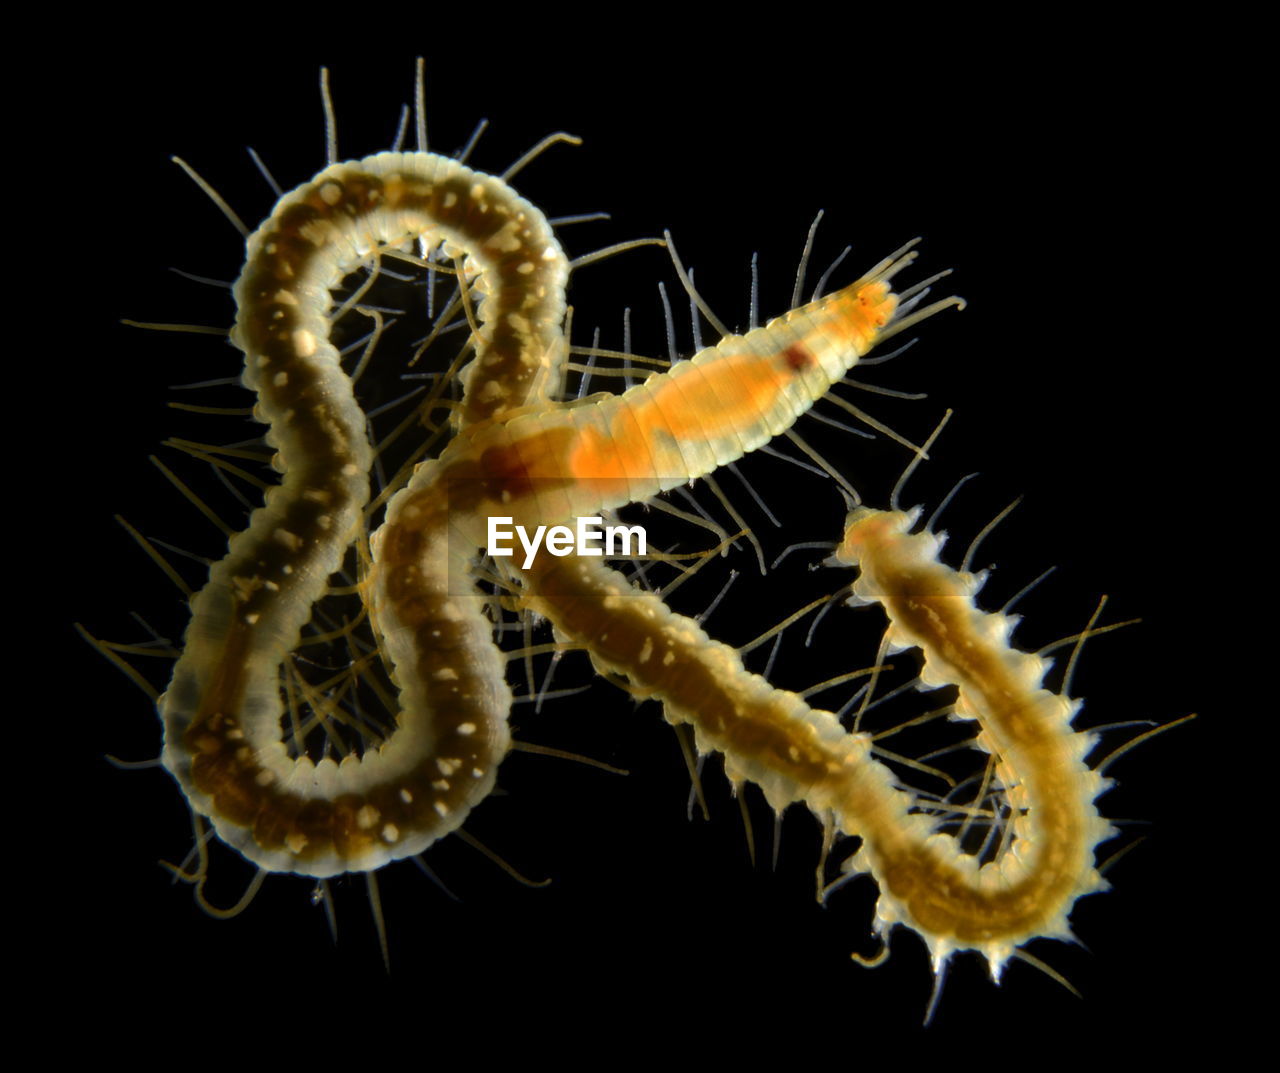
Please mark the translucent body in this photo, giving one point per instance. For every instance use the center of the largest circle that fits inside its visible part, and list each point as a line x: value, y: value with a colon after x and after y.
x: 519, y: 454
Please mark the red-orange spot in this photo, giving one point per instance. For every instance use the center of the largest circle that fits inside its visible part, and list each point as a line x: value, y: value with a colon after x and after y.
x: 797, y: 357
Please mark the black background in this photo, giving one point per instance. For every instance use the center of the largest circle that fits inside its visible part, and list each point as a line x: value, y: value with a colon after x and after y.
x: 1051, y: 173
